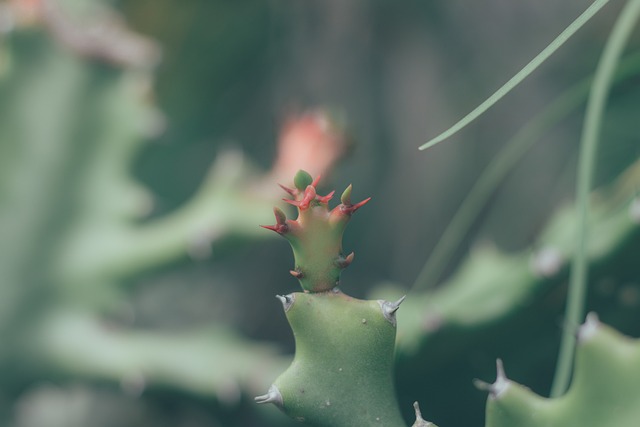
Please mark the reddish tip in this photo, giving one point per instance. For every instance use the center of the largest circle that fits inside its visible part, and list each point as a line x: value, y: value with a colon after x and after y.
x: 350, y: 209
x: 295, y: 273
x: 316, y: 181
x: 288, y: 190
x: 278, y: 228
x: 350, y: 257
x: 325, y: 199
x: 344, y: 262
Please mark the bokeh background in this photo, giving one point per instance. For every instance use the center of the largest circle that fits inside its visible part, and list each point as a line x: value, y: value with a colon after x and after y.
x: 230, y: 76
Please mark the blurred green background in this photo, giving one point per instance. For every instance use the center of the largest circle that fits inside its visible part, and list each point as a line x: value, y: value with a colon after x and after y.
x: 170, y: 332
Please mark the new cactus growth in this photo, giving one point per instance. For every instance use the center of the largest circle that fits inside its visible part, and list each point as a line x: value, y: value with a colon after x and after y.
x: 342, y: 372
x: 316, y: 235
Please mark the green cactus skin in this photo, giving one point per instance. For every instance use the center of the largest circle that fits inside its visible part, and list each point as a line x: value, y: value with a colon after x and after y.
x: 342, y: 372
x: 605, y: 389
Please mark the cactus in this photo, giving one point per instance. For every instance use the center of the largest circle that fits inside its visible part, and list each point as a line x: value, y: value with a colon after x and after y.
x: 604, y: 390
x: 74, y: 115
x: 342, y: 372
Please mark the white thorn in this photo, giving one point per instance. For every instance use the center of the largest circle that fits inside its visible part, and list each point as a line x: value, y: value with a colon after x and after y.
x: 416, y: 407
x: 420, y: 422
x: 389, y: 309
x: 499, y: 386
x: 286, y: 300
x: 272, y: 396
x: 589, y: 327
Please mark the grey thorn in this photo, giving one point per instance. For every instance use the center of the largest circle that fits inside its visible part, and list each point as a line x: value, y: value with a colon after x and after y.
x: 589, y: 327
x: 499, y: 386
x: 286, y: 300
x: 420, y: 422
x: 389, y: 309
x: 272, y: 396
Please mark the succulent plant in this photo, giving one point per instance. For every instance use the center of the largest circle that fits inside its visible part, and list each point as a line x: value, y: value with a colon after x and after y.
x: 342, y: 372
x: 604, y: 390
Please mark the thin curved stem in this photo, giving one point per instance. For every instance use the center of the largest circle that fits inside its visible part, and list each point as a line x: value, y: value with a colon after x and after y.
x: 586, y: 165
x: 521, y: 75
x: 500, y: 166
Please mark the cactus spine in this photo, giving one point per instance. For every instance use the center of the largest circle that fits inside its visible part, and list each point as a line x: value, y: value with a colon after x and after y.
x: 342, y: 372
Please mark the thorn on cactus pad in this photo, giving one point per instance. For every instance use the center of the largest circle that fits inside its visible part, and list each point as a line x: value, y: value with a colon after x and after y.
x: 280, y: 229
x: 296, y: 273
x: 287, y: 301
x: 272, y: 396
x: 350, y: 209
x: 499, y: 386
x: 389, y: 309
x: 325, y: 199
x: 589, y: 327
x: 281, y: 226
x: 344, y: 262
x: 420, y: 422
x: 291, y: 191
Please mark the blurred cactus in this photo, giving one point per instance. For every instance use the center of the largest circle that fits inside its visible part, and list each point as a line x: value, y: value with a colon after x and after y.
x: 491, y: 285
x: 76, y: 108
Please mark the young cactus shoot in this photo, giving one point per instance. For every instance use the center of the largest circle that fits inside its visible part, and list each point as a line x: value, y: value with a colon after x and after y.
x: 316, y: 235
x: 342, y: 372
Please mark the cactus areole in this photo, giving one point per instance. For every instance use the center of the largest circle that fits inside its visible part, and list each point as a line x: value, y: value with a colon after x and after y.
x: 342, y: 372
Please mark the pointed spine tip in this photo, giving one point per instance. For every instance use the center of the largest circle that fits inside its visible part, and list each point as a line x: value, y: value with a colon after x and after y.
x: 420, y: 422
x: 589, y: 328
x: 344, y: 262
x: 272, y: 396
x: 327, y: 198
x: 350, y: 209
x: 500, y: 373
x: 280, y: 229
x: 499, y: 386
x: 291, y: 191
x: 416, y: 408
x: 296, y: 273
x: 286, y: 300
x: 281, y: 226
x: 389, y: 309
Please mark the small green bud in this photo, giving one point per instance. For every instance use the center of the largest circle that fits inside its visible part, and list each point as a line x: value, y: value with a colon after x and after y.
x: 346, y: 196
x: 302, y: 180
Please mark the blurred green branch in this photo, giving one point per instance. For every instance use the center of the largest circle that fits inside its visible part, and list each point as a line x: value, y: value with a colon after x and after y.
x: 490, y: 286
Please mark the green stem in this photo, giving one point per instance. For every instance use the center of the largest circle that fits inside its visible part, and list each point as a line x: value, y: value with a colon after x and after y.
x: 521, y: 75
x: 500, y: 166
x: 586, y: 165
